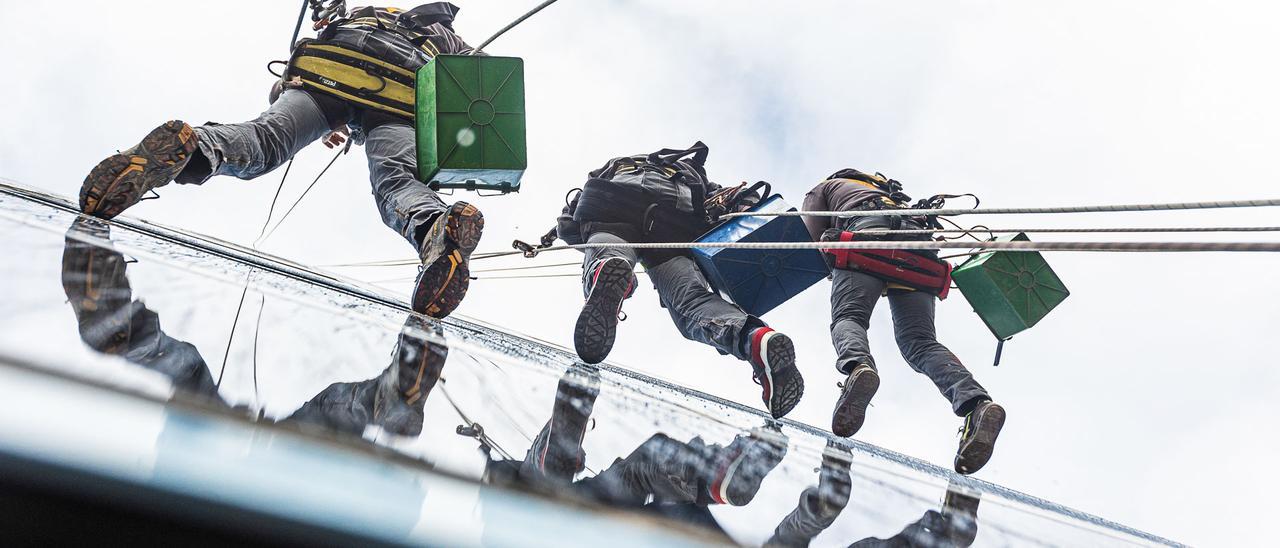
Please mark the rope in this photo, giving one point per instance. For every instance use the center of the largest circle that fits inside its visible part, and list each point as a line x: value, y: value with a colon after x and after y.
x: 513, y: 24
x: 1121, y: 230
x: 574, y: 263
x: 302, y: 15
x: 304, y: 192
x: 1012, y: 210
x: 271, y: 210
x: 1153, y: 247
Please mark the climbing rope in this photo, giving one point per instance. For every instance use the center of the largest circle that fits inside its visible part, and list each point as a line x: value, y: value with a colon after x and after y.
x: 1117, y: 230
x: 513, y: 24
x: 1152, y: 247
x: 1012, y: 210
x: 304, y: 193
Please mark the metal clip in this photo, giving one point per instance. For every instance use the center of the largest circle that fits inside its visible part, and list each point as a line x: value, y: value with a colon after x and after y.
x: 530, y: 251
x: 474, y: 431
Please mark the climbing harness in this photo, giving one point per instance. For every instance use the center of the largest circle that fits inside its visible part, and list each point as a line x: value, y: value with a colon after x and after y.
x: 905, y: 267
x: 336, y: 69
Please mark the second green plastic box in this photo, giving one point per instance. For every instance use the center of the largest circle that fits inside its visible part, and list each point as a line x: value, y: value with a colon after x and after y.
x: 1010, y: 290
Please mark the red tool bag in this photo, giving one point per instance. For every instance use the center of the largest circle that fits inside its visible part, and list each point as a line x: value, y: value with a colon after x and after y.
x: 895, y: 265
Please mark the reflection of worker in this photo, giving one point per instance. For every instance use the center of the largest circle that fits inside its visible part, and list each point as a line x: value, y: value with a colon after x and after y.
x: 912, y: 281
x: 112, y: 322
x: 955, y: 525
x: 663, y: 197
x: 663, y: 476
x: 399, y: 43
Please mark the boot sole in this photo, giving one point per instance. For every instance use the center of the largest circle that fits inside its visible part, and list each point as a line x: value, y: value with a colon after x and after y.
x: 851, y: 409
x: 974, y: 455
x: 597, y: 325
x: 788, y: 385
x: 443, y: 284
x: 119, y: 181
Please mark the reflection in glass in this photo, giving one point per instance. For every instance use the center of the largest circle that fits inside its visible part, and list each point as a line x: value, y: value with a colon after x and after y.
x: 113, y: 322
x: 662, y: 476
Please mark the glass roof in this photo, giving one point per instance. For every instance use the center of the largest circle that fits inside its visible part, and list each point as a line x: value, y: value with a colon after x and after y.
x: 205, y: 329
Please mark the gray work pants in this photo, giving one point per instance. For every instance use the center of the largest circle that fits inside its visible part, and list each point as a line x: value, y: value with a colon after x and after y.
x: 254, y: 148
x: 698, y: 313
x: 853, y: 297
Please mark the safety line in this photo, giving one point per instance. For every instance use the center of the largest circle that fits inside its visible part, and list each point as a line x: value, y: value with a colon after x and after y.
x: 302, y: 15
x: 1119, y: 230
x: 1072, y: 230
x: 285, y: 217
x: 508, y: 269
x: 513, y: 24
x: 1012, y: 210
x: 1154, y: 247
x: 528, y: 276
x: 272, y: 210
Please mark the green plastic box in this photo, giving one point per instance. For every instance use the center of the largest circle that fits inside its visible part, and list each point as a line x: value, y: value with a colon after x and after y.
x: 1010, y: 290
x: 470, y: 122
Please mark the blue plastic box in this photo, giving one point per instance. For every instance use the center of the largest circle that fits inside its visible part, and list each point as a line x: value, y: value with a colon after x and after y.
x: 758, y: 280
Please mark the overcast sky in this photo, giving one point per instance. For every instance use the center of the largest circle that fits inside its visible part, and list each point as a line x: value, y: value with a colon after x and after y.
x: 1148, y: 397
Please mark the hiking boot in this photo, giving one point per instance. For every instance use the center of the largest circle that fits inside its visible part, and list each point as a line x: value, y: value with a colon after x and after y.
x: 773, y: 360
x: 978, y: 436
x: 612, y: 282
x: 740, y: 468
x: 558, y: 448
x: 403, y: 388
x: 855, y: 395
x: 445, y: 276
x: 960, y: 510
x: 121, y: 180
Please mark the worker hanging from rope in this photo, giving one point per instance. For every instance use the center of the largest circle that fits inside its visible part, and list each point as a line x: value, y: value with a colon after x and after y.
x: 359, y: 74
x: 911, y: 280
x: 665, y: 197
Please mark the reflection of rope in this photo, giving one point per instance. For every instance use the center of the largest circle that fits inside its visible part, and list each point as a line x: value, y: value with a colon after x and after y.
x: 476, y: 430
x: 232, y: 336
x: 1011, y: 210
x: 257, y: 401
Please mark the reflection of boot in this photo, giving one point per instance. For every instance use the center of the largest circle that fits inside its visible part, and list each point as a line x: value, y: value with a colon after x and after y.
x: 93, y: 276
x: 403, y: 388
x: 446, y: 251
x: 739, y: 469
x: 557, y: 451
x: 961, y: 512
x: 611, y: 281
x: 111, y: 322
x: 820, y: 505
x: 834, y: 482
x: 120, y: 180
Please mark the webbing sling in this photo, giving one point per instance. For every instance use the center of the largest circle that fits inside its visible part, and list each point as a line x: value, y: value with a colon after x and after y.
x: 895, y: 265
x: 347, y: 74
